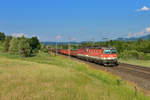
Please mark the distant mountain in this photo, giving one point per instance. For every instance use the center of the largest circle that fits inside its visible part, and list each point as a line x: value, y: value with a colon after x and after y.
x: 54, y: 43
x: 146, y: 37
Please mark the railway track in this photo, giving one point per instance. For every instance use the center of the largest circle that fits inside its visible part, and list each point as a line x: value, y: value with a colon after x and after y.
x: 139, y: 71
x: 141, y: 68
x: 137, y: 74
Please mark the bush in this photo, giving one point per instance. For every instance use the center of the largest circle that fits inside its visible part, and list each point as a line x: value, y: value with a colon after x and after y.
x: 2, y: 36
x: 146, y: 56
x: 20, y: 46
x: 7, y: 43
x: 44, y: 48
x: 133, y: 54
x: 13, y: 49
x: 35, y: 51
x: 129, y: 54
x: 34, y: 43
x: 24, y: 47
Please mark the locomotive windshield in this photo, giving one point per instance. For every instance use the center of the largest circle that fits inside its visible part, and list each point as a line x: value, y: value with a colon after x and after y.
x: 112, y: 51
x: 107, y: 51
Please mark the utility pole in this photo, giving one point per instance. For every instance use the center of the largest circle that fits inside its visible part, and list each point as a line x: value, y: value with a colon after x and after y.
x: 57, y: 40
x: 106, y: 40
x: 51, y: 51
x: 56, y: 48
x: 93, y: 41
x: 69, y: 46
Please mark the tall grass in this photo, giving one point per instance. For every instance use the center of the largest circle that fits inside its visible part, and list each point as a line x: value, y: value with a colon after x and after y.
x: 45, y: 77
x: 145, y: 63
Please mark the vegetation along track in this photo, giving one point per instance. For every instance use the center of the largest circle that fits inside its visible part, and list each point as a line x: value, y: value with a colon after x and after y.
x: 137, y: 74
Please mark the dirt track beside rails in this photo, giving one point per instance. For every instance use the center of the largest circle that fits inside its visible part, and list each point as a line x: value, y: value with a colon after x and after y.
x: 137, y: 74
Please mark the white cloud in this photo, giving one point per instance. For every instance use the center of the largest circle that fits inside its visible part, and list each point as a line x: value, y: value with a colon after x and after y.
x: 148, y: 30
x: 19, y: 35
x: 145, y: 8
x: 58, y: 37
x: 74, y: 39
x: 138, y: 34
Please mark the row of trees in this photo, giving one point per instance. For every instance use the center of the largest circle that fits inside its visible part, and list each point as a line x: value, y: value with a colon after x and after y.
x: 22, y: 46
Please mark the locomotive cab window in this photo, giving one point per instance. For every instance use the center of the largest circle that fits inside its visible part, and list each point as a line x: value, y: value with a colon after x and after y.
x: 114, y: 51
x: 107, y: 51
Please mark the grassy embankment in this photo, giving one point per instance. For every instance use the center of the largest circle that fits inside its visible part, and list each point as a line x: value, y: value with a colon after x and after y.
x: 145, y: 63
x: 55, y: 78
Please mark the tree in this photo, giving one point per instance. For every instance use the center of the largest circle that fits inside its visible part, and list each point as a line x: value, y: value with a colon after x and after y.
x: 44, y: 48
x: 111, y: 42
x: 2, y: 36
x: 7, y: 43
x: 13, y: 49
x: 34, y: 43
x: 24, y: 47
x: 140, y: 40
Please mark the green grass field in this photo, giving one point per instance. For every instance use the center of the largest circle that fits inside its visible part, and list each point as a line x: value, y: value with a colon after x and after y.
x: 56, y: 78
x: 145, y: 63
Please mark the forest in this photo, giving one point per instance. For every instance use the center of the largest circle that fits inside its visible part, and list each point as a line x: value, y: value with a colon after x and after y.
x: 22, y: 46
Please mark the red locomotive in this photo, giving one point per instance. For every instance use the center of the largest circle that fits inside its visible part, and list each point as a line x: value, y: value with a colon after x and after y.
x: 101, y: 55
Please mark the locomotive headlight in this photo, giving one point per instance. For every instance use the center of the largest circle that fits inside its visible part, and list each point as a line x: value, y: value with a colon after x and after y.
x: 109, y: 58
x: 105, y: 58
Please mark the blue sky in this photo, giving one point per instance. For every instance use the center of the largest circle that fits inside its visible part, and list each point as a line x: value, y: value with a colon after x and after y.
x: 78, y: 19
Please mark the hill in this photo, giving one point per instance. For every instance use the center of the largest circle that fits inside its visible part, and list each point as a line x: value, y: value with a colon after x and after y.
x: 134, y: 38
x: 120, y: 39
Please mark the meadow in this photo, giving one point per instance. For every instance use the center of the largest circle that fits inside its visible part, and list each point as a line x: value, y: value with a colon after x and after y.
x: 46, y: 77
x: 145, y: 63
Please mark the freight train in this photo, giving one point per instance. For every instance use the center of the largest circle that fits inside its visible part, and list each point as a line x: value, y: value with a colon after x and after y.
x: 106, y: 56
